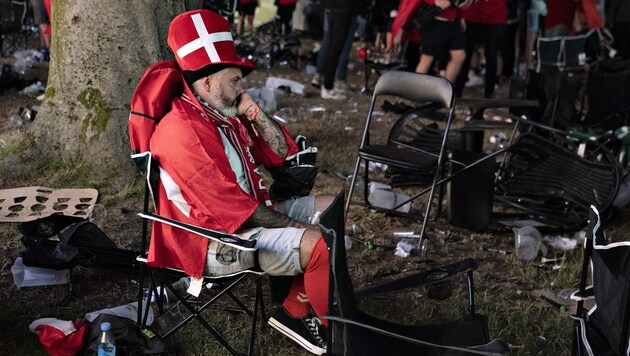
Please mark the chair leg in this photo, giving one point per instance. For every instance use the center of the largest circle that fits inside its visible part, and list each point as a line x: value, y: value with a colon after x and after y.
x: 352, y: 183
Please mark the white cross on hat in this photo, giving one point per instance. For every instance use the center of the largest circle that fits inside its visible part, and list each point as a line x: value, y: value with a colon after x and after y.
x: 205, y: 40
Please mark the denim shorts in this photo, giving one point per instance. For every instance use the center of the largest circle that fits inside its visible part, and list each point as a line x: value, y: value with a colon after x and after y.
x: 278, y: 248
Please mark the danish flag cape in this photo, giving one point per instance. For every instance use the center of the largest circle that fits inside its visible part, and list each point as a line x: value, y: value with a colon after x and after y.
x: 197, y: 184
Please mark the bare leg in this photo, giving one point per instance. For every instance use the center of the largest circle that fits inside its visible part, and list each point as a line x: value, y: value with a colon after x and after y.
x: 239, y: 25
x: 454, y: 64
x: 424, y: 64
x: 250, y: 24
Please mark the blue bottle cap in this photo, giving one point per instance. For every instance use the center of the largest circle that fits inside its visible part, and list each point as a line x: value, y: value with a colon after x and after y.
x: 106, y: 326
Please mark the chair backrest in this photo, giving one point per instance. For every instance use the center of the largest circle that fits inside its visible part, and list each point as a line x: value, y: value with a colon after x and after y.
x: 559, y: 183
x: 415, y: 87
x: 561, y: 53
x: 419, y: 88
x: 341, y: 289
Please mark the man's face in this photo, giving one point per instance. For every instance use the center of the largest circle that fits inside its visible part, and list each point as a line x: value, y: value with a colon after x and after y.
x: 225, y: 91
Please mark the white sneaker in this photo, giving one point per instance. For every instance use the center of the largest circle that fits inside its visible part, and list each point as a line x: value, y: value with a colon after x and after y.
x: 341, y: 87
x: 315, y: 82
x: 473, y: 79
x: 332, y: 94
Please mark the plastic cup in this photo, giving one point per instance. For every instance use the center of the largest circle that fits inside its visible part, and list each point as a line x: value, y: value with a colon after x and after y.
x: 527, y: 242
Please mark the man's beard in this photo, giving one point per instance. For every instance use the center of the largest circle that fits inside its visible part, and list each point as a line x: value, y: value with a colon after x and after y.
x: 224, y: 105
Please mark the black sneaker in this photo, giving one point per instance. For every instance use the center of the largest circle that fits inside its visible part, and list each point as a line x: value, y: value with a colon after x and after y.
x: 305, y: 331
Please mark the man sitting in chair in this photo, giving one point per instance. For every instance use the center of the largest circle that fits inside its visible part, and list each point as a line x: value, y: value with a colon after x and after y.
x: 209, y: 146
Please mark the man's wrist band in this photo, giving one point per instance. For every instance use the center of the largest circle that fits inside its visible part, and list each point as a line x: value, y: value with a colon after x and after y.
x: 254, y: 113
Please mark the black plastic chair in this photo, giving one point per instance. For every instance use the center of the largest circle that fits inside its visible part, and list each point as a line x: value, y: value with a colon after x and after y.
x: 605, y: 328
x: 553, y: 177
x: 419, y: 88
x: 354, y: 332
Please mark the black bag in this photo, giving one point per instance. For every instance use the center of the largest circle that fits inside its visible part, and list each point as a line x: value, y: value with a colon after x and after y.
x: 130, y: 339
x: 61, y: 242
x: 297, y: 177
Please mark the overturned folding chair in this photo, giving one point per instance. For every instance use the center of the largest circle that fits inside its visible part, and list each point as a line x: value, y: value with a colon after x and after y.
x: 354, y: 332
x: 162, y: 80
x: 605, y: 328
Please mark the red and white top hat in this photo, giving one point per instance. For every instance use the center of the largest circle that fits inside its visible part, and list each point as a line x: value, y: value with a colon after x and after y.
x: 201, y: 39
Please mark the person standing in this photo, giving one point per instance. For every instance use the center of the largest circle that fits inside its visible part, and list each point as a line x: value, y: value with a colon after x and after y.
x: 443, y: 37
x: 341, y: 76
x: 41, y: 19
x: 485, y: 25
x: 285, y: 16
x: 618, y: 21
x: 209, y: 146
x: 337, y: 14
x: 246, y: 10
x: 560, y: 17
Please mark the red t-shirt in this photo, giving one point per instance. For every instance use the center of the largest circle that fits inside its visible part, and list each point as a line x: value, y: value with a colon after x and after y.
x: 488, y: 12
x: 560, y: 12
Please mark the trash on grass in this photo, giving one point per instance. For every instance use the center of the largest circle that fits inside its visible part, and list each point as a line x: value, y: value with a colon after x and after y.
x: 403, y: 248
x: 280, y: 83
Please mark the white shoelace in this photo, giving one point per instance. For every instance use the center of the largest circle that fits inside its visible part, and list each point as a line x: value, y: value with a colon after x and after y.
x: 313, y: 326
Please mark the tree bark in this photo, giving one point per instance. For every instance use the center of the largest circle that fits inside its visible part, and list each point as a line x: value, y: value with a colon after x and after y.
x: 99, y: 51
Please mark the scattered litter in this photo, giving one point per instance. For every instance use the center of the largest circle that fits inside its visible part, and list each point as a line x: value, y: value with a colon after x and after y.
x: 502, y: 252
x: 281, y: 83
x: 560, y: 243
x: 284, y: 115
x: 403, y: 249
x: 547, y: 260
x: 35, y: 88
x: 378, y: 167
x: 381, y: 196
x: 310, y: 69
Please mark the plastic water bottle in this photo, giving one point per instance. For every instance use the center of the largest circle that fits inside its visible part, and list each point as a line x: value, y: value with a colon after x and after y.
x: 107, y: 342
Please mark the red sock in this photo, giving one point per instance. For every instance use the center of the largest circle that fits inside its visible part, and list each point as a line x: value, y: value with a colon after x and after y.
x: 311, y: 288
x: 316, y: 279
x: 296, y: 303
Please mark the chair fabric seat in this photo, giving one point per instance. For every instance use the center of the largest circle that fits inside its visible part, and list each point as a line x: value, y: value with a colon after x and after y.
x: 398, y: 157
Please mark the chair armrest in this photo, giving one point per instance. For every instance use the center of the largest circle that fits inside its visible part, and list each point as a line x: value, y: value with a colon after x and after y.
x: 495, y: 347
x: 589, y: 293
x: 222, y: 237
x: 432, y: 276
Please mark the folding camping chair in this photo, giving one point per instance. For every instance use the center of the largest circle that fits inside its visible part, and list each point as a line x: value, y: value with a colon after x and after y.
x: 418, y: 88
x: 558, y: 77
x: 12, y: 26
x: 354, y: 332
x: 604, y: 329
x: 162, y: 79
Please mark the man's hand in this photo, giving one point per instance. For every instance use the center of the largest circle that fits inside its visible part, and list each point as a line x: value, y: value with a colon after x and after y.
x: 263, y: 125
x: 246, y: 105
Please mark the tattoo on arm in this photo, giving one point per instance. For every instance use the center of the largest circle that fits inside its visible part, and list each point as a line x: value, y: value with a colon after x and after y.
x: 265, y: 217
x: 271, y: 133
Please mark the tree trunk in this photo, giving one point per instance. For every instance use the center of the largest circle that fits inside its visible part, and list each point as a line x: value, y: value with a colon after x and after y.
x: 99, y: 51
